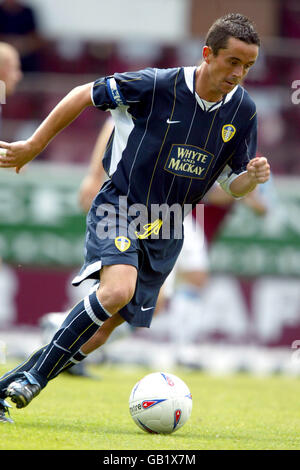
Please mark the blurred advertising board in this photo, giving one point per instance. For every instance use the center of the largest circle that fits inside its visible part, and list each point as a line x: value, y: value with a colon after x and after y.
x: 41, y: 223
x: 251, y: 245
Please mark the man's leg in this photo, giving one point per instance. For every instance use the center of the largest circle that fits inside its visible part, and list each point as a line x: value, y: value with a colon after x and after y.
x: 25, y: 366
x: 116, y: 290
x: 11, y: 375
x: 96, y: 341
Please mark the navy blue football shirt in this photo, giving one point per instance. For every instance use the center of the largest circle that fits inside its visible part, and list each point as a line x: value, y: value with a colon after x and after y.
x: 167, y: 146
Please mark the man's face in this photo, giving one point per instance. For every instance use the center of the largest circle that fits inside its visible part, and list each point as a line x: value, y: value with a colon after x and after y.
x: 11, y: 72
x: 231, y: 65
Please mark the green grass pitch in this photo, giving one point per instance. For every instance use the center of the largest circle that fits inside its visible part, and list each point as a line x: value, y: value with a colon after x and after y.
x: 237, y: 412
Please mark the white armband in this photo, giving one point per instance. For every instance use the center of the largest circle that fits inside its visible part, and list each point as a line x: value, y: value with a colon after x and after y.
x: 225, y: 181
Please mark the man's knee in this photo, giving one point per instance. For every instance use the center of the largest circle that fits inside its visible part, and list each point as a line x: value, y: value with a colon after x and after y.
x: 117, y: 287
x: 114, y: 297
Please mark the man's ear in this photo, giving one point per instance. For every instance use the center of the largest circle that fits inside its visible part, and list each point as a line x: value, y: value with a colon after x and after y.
x: 206, y: 53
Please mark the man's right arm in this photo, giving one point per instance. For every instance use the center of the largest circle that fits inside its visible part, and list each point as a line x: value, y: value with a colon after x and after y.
x: 22, y: 152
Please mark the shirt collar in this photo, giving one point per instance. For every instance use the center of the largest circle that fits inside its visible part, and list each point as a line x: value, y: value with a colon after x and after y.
x: 189, y: 75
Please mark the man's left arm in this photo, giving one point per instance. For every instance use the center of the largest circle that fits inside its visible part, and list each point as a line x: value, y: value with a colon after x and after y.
x: 258, y: 172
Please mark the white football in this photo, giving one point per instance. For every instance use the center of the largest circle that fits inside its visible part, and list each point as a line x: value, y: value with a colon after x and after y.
x: 160, y: 403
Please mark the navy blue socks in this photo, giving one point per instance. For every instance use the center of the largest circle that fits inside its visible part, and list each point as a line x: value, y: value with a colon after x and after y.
x: 25, y: 366
x: 79, y: 326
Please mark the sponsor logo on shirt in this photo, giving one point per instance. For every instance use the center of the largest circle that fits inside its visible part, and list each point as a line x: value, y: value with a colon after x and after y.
x: 188, y: 161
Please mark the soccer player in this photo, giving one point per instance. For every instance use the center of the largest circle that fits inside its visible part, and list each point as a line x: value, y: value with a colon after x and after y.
x: 176, y: 132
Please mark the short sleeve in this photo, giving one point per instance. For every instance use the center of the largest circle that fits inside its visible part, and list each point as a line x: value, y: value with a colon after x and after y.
x: 131, y: 89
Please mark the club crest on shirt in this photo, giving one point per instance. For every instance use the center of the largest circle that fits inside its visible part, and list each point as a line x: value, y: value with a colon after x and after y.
x: 122, y: 243
x: 228, y: 131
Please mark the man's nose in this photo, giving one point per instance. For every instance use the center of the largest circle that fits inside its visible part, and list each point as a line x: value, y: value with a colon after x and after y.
x: 238, y: 72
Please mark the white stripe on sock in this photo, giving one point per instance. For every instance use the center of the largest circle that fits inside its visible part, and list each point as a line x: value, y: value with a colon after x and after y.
x: 89, y: 311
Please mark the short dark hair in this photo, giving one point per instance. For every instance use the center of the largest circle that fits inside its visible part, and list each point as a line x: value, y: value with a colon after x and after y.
x: 231, y: 25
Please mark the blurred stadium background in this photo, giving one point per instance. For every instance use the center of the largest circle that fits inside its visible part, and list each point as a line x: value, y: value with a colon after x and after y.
x: 249, y: 317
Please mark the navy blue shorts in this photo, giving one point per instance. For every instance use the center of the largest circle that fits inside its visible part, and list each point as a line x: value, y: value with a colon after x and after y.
x: 154, y: 258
